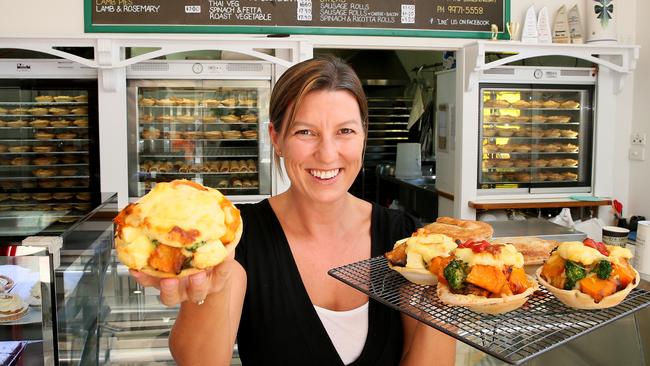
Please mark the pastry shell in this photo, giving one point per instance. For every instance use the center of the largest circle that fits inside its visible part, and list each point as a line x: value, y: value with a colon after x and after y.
x: 479, y: 304
x: 580, y: 300
x: 418, y: 276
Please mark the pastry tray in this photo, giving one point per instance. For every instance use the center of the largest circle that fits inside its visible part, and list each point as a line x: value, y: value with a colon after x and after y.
x: 542, y: 324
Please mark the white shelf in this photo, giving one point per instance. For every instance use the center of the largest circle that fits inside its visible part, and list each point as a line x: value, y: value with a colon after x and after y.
x: 619, y: 58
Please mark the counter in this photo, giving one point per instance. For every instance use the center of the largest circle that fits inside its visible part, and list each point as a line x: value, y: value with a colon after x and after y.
x: 125, y: 324
x: 417, y: 196
x: 61, y: 291
x: 535, y: 227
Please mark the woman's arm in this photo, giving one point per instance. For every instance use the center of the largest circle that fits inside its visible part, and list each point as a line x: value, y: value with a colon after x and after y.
x: 424, y: 345
x: 203, y: 334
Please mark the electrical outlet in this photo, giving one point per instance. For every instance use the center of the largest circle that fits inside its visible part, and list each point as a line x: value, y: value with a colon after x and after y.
x: 637, y: 153
x: 638, y: 138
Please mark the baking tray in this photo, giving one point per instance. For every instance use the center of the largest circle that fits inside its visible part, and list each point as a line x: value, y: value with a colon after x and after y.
x: 542, y: 324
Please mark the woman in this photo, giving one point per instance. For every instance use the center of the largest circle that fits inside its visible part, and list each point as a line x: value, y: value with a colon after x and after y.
x: 276, y: 296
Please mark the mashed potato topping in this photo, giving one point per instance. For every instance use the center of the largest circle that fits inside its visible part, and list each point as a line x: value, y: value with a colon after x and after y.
x: 422, y: 247
x: 507, y: 256
x: 576, y: 251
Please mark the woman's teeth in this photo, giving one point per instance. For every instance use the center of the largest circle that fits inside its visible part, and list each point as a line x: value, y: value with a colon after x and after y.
x: 324, y: 174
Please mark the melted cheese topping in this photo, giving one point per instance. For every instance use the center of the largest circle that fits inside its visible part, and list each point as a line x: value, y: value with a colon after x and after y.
x: 179, y: 214
x: 11, y: 303
x: 578, y: 252
x: 184, y: 206
x: 616, y: 252
x: 209, y: 255
x: 508, y: 256
x: 423, y: 247
x: 135, y: 253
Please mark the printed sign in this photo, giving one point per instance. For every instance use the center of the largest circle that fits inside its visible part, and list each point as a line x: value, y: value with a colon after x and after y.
x: 430, y: 18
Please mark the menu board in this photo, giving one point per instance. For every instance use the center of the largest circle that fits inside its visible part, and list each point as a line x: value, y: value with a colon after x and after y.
x: 435, y: 18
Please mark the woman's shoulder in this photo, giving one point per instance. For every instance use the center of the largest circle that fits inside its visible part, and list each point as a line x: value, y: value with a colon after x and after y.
x: 253, y: 209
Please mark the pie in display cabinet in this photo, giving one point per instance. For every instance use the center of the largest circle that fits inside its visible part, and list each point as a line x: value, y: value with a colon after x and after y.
x: 536, y: 139
x: 207, y: 131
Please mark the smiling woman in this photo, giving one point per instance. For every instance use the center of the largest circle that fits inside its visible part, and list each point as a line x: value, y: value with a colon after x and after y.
x: 275, y: 296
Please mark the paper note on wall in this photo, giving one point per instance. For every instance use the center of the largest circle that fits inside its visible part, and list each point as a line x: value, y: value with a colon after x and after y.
x: 442, y: 114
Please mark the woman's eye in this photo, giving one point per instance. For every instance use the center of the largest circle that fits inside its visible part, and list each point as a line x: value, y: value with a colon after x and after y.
x: 347, y: 131
x: 303, y: 132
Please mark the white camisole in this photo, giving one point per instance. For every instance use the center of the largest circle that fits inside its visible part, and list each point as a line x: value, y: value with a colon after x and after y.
x: 347, y: 330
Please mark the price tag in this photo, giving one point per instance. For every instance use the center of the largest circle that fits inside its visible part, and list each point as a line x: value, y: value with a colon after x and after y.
x: 408, y: 13
x: 304, y: 10
x: 192, y: 9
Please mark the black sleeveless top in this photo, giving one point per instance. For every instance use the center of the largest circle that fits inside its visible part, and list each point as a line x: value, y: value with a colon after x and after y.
x: 279, y: 325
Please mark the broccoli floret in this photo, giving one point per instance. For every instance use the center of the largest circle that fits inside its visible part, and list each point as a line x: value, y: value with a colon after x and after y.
x: 574, y: 273
x: 455, y: 274
x: 192, y: 248
x: 603, y: 269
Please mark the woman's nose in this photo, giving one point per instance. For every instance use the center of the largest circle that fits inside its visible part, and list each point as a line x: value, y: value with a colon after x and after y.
x: 327, y: 149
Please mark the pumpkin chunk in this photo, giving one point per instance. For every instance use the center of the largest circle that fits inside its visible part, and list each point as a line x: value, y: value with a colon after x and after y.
x: 597, y: 288
x: 487, y: 277
x: 624, y: 272
x: 518, y: 281
x: 437, y: 267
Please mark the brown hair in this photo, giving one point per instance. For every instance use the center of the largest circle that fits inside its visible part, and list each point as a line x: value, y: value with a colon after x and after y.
x: 321, y: 73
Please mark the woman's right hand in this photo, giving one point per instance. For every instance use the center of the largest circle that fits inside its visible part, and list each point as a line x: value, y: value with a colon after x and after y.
x: 195, y: 288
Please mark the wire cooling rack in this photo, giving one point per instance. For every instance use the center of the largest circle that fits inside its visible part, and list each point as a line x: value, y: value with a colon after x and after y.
x: 542, y: 324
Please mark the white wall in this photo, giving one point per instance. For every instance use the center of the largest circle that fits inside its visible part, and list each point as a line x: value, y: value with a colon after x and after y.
x: 639, y: 175
x: 42, y: 18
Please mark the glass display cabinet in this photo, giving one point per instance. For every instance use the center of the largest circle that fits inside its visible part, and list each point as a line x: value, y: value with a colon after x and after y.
x: 51, y: 302
x: 49, y: 168
x: 211, y: 130
x: 535, y: 138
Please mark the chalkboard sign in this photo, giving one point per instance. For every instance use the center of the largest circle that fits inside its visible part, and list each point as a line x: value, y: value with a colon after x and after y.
x: 420, y: 18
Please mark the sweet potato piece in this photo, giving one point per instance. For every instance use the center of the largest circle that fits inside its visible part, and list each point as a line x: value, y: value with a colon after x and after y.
x: 167, y: 259
x: 518, y: 281
x: 437, y: 267
x: 597, y: 288
x: 553, y: 271
x: 487, y: 277
x: 624, y: 272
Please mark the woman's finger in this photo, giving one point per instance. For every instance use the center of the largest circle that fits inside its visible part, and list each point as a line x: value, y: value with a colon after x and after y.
x: 197, y: 288
x: 144, y: 279
x: 170, y: 293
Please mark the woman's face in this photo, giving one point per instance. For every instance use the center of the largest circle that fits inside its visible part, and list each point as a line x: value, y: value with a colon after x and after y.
x: 323, y: 148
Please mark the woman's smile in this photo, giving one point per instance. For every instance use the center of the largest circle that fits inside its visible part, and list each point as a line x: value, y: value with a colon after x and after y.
x: 325, y: 175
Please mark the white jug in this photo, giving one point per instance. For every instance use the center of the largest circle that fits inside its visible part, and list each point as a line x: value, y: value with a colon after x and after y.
x: 601, y: 21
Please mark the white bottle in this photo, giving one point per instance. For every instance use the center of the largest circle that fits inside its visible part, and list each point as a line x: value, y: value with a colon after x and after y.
x: 543, y: 27
x: 529, y: 33
x: 601, y: 25
x: 642, y: 250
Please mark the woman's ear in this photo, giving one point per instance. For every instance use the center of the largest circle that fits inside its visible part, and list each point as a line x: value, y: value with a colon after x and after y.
x: 275, y: 138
